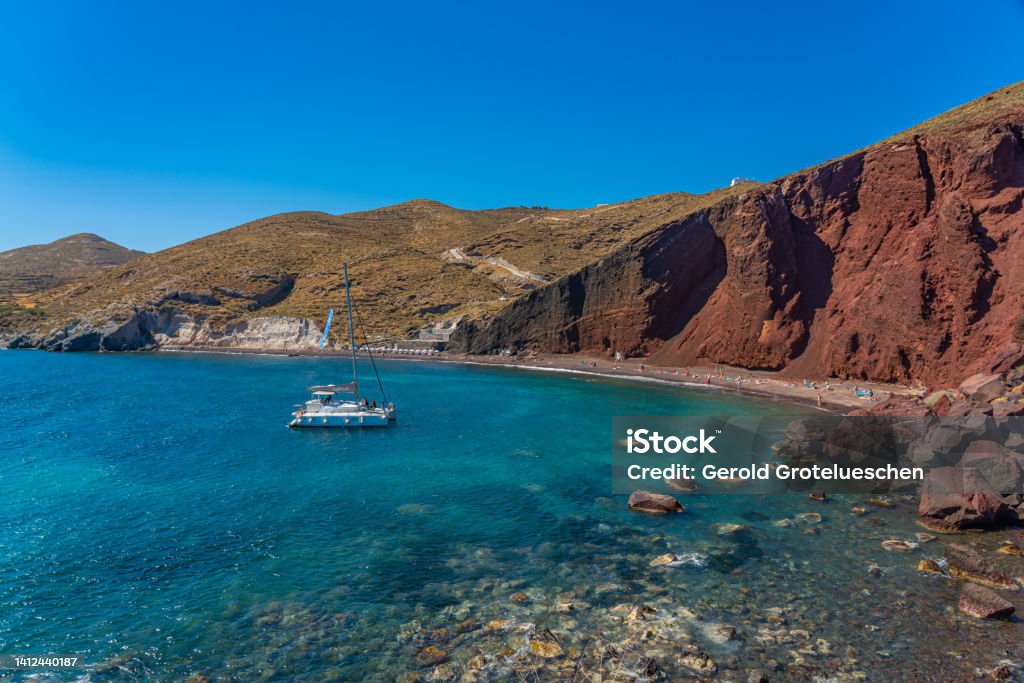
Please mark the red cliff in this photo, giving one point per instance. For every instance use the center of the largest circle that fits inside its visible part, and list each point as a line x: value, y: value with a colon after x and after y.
x: 901, y: 262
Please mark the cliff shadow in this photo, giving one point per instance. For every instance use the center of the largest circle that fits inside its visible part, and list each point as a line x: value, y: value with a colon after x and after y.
x: 815, y: 266
x: 688, y: 262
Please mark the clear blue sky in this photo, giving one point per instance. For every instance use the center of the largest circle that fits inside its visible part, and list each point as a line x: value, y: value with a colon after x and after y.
x: 154, y: 123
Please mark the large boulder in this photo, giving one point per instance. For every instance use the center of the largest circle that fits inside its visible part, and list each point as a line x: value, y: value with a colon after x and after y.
x: 982, y: 603
x: 645, y: 501
x: 966, y: 563
x: 982, y: 387
x: 966, y: 408
x: 954, y: 498
x: 1001, y: 467
x: 1006, y: 359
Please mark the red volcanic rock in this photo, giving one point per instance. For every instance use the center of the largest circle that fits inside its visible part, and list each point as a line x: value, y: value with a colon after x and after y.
x: 1006, y: 359
x: 982, y: 603
x: 1002, y: 468
x: 645, y: 501
x: 942, y: 406
x: 1007, y: 409
x: 954, y: 498
x: 897, y: 406
x: 966, y: 408
x: 982, y: 387
x: 897, y: 263
x: 965, y: 563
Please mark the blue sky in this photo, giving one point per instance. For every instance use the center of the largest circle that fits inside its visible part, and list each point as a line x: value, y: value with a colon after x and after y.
x: 156, y: 123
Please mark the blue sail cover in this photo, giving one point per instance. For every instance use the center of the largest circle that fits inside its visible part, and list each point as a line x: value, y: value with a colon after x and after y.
x: 327, y: 328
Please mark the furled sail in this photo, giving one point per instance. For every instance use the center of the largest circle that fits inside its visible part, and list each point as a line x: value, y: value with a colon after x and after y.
x: 327, y: 328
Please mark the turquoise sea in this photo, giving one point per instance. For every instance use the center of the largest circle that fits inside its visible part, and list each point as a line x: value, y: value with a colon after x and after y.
x: 160, y: 522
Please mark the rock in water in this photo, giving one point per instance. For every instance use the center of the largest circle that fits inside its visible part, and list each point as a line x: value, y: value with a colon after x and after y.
x: 546, y: 648
x: 899, y: 545
x: 965, y: 563
x: 982, y: 603
x: 431, y: 655
x: 682, y: 485
x: 662, y: 560
x: 645, y: 501
x: 929, y: 567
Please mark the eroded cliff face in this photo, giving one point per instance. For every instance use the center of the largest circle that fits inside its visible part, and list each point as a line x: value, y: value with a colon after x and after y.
x: 140, y: 329
x: 904, y: 262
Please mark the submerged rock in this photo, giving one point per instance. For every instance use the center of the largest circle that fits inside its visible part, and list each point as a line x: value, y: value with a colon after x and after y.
x: 1011, y: 549
x: 929, y: 567
x: 645, y: 501
x: 442, y: 673
x: 546, y: 648
x: 899, y: 545
x: 431, y: 654
x: 983, y: 603
x: 700, y: 662
x: 965, y: 563
x: 682, y: 485
x: 661, y: 560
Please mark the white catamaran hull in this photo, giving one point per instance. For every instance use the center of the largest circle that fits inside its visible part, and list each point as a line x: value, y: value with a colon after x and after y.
x: 340, y: 420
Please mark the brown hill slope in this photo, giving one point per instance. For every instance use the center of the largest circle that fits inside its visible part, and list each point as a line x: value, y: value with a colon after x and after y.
x: 411, y: 265
x: 904, y: 261
x: 32, y: 269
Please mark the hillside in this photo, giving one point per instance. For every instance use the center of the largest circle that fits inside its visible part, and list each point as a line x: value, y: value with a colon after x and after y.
x: 902, y: 261
x: 32, y: 269
x: 410, y: 265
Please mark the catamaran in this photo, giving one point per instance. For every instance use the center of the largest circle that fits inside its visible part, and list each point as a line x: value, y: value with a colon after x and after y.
x: 329, y: 406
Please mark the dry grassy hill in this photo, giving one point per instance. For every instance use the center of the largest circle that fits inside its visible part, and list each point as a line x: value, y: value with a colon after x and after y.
x: 32, y: 269
x: 410, y: 265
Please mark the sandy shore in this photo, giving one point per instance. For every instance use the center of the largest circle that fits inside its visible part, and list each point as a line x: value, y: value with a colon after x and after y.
x: 832, y: 394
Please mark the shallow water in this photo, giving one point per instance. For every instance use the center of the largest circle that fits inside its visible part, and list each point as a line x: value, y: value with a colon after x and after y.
x: 160, y: 521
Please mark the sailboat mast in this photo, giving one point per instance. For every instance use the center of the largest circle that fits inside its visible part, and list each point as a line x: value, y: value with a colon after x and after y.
x: 351, y: 331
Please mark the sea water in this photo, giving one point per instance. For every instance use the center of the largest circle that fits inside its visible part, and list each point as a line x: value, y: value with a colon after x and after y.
x: 160, y: 521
